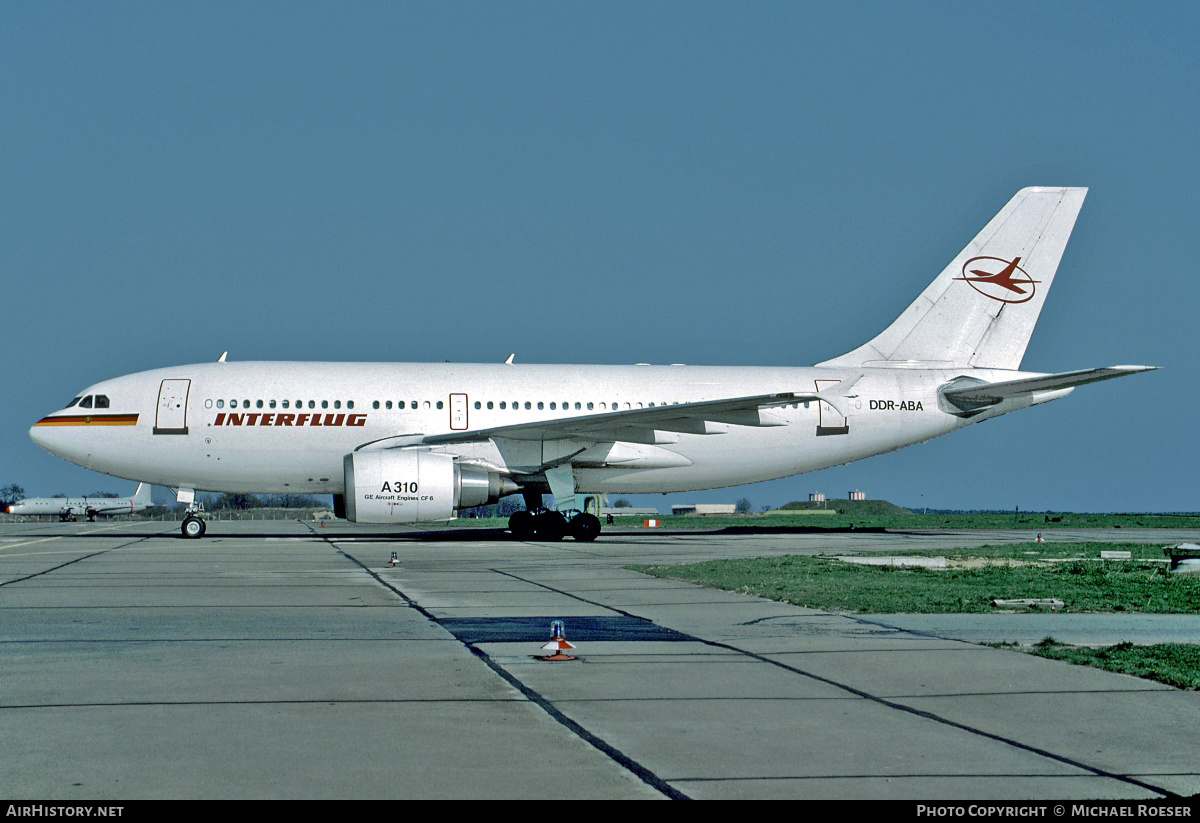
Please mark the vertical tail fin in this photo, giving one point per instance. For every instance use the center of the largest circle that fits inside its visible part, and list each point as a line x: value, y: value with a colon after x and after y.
x: 981, y: 310
x: 142, y: 495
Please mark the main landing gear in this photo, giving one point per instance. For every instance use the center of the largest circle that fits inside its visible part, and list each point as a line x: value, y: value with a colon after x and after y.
x: 548, y: 524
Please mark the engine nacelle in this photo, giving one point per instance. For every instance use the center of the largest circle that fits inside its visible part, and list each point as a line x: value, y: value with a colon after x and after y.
x: 410, y: 485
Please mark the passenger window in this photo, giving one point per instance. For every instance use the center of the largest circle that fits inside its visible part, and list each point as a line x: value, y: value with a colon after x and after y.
x: 86, y: 403
x: 258, y: 404
x: 388, y: 404
x: 220, y: 404
x: 540, y: 405
x: 285, y: 404
x: 337, y: 404
x: 375, y: 405
x: 489, y: 404
x: 349, y: 404
x: 245, y: 404
x: 324, y: 404
x: 528, y: 405
x: 439, y: 404
x: 478, y: 405
x: 503, y: 404
x: 272, y: 404
x: 312, y: 404
x: 412, y: 404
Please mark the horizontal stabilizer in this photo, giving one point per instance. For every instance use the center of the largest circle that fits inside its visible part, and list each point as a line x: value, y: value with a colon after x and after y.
x: 971, y: 395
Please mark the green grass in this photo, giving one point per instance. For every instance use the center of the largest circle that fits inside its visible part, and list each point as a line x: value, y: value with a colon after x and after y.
x: 1176, y: 664
x: 1080, y: 579
x: 1087, y: 585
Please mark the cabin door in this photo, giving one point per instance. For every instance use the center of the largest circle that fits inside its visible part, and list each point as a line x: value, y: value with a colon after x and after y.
x: 458, y: 412
x: 830, y: 420
x: 171, y: 417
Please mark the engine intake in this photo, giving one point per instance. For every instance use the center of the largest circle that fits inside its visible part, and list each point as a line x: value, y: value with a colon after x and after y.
x: 411, y: 485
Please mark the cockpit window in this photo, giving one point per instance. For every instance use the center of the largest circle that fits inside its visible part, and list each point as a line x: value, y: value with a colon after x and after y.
x: 102, y: 401
x: 73, y: 402
x: 86, y: 403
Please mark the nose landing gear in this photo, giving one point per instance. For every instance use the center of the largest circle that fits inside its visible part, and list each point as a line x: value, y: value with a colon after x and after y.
x: 192, y: 527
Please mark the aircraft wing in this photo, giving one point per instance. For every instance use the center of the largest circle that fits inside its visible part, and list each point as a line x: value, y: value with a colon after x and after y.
x: 639, y: 425
x: 975, y: 394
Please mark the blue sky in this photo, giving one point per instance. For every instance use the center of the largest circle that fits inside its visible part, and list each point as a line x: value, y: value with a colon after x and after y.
x: 708, y: 183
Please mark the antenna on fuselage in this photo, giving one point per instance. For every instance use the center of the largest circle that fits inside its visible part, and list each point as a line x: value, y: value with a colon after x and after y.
x: 508, y: 362
x: 221, y: 359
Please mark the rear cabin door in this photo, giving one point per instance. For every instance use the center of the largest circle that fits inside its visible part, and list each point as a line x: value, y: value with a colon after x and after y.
x: 830, y: 420
x: 171, y: 417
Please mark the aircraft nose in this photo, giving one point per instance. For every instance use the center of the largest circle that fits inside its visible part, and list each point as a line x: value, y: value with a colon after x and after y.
x: 50, y: 437
x: 37, y: 435
x: 40, y: 433
x: 65, y: 437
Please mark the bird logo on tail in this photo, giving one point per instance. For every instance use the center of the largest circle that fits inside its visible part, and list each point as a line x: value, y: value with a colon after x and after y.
x: 1011, y: 284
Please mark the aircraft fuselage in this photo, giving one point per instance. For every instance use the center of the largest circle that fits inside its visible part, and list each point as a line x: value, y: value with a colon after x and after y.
x: 263, y: 427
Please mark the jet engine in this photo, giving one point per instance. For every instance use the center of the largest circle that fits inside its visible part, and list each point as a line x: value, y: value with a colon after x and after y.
x: 410, y: 485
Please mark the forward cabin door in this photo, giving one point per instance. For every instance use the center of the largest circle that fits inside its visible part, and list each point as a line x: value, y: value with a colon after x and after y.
x: 171, y: 417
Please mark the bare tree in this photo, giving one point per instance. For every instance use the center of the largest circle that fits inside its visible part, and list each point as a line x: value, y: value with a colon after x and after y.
x: 11, y: 494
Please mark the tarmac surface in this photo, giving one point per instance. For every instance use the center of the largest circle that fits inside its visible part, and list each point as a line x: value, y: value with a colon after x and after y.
x: 286, y: 659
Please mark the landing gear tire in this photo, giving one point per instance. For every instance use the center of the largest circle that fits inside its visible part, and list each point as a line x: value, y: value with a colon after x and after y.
x: 550, y: 525
x: 585, y: 527
x: 192, y: 528
x: 521, y: 525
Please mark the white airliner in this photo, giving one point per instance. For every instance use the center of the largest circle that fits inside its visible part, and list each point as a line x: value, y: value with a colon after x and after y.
x: 70, y: 508
x: 401, y: 443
